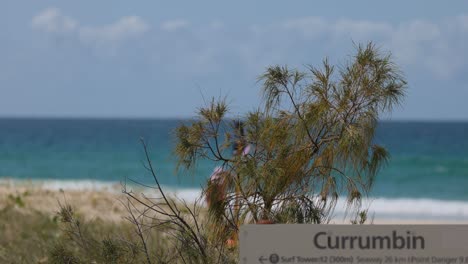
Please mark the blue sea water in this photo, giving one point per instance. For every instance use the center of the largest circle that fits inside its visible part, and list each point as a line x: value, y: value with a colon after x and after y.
x: 429, y: 160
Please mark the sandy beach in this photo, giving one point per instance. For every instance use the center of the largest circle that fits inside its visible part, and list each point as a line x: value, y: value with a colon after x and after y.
x: 29, y: 220
x: 104, y: 202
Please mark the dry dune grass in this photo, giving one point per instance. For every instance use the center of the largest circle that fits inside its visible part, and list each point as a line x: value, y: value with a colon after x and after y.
x: 30, y: 227
x: 104, y: 205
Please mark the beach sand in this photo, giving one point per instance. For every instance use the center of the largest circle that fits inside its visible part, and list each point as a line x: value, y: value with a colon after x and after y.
x: 30, y: 227
x: 105, y: 203
x: 29, y: 222
x: 91, y: 204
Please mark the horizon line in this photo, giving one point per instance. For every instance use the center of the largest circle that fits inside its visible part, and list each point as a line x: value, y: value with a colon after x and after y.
x: 51, y: 117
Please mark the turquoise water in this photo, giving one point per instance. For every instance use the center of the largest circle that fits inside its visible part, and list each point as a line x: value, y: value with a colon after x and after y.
x: 429, y: 159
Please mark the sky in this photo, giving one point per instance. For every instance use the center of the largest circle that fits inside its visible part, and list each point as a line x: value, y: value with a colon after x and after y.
x: 163, y: 59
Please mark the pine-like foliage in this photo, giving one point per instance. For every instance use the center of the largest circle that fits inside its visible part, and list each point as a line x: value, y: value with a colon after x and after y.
x: 311, y: 141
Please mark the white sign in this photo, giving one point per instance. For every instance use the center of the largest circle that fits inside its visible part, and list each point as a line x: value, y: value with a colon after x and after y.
x: 354, y: 244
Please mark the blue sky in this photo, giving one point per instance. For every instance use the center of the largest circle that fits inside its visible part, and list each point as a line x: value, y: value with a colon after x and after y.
x: 159, y: 59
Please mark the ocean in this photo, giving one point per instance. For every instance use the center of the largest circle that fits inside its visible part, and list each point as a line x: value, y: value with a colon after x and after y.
x: 427, y: 175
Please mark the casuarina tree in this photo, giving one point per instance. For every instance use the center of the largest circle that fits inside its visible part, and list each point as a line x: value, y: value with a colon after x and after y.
x: 310, y: 142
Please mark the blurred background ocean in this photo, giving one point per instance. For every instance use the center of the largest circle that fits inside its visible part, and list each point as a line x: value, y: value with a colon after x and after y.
x: 427, y: 175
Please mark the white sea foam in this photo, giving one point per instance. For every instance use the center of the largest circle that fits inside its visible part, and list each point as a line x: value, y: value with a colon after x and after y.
x: 56, y: 185
x: 186, y: 194
x: 404, y: 209
x: 411, y: 208
x: 395, y: 208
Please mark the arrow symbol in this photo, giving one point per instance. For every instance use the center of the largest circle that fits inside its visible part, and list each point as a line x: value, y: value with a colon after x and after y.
x: 261, y: 259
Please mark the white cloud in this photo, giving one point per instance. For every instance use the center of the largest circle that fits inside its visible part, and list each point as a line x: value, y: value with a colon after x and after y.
x: 317, y: 26
x: 53, y: 21
x: 216, y: 25
x: 408, y: 39
x: 360, y: 28
x: 437, y: 46
x: 126, y: 27
x: 308, y: 26
x: 418, y: 31
x: 463, y: 22
x: 174, y: 25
